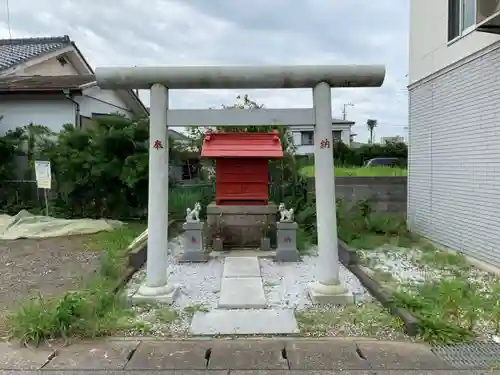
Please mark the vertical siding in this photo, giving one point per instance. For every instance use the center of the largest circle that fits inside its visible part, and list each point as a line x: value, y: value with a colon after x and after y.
x: 419, y: 160
x: 454, y: 174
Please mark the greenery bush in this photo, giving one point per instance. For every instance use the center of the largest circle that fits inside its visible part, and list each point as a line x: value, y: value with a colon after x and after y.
x: 356, y: 156
x: 100, y: 171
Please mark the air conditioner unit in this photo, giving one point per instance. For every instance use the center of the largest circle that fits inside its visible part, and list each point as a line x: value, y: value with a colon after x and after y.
x: 488, y: 16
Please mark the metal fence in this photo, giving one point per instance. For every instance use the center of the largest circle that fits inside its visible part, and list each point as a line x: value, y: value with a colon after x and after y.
x: 17, y: 195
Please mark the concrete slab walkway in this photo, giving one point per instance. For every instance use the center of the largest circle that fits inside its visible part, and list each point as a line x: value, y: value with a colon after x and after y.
x: 242, y: 305
x: 246, y: 356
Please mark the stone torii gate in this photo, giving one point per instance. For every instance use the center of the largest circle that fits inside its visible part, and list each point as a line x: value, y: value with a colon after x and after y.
x: 321, y: 79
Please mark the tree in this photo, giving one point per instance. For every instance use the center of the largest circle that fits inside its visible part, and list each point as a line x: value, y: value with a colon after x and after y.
x: 371, y: 124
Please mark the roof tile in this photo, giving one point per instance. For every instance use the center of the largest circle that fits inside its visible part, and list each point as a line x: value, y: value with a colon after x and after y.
x: 242, y: 145
x: 17, y: 51
x: 43, y: 83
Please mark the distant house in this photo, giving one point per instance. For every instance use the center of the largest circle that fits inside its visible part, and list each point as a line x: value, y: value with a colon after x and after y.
x: 47, y: 81
x: 303, y: 136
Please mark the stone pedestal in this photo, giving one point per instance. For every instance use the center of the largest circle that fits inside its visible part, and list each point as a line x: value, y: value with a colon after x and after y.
x: 286, y: 234
x: 194, y: 244
x: 241, y: 225
x: 333, y: 294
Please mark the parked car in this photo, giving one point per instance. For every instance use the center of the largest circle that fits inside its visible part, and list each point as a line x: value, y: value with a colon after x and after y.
x: 383, y: 162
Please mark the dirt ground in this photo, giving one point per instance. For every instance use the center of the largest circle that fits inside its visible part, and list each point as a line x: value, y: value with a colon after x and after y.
x: 48, y: 267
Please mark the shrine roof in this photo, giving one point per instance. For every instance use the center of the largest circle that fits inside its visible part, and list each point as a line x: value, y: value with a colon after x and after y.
x: 242, y: 145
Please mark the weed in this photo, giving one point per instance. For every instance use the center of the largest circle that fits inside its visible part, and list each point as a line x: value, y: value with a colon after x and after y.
x: 448, y: 309
x: 444, y: 260
x: 92, y: 311
x: 360, y: 227
x: 142, y: 328
x: 369, y: 319
x: 166, y: 315
x: 193, y: 309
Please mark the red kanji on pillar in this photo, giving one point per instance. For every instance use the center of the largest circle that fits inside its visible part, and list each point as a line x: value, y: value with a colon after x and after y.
x: 288, y: 239
x: 193, y: 240
x: 324, y: 144
x: 157, y: 145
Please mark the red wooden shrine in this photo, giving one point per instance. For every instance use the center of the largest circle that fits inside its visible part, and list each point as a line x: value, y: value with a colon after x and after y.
x: 241, y: 165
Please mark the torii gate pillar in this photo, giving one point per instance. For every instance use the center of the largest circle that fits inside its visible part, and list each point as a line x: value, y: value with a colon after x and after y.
x: 327, y: 289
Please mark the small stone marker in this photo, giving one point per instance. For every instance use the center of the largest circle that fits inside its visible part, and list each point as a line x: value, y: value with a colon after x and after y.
x: 194, y: 246
x: 286, y: 250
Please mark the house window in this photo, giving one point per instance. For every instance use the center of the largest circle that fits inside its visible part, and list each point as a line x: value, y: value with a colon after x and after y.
x: 307, y: 138
x: 461, y: 17
x: 337, y: 135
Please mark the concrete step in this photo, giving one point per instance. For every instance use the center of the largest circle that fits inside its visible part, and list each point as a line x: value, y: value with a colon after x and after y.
x: 241, y: 267
x: 242, y: 293
x: 244, y: 322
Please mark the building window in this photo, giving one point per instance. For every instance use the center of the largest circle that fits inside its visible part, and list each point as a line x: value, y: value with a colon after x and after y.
x: 461, y: 17
x: 307, y: 138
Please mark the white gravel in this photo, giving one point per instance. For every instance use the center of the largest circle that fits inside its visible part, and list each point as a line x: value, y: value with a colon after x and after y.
x: 285, y: 286
x: 400, y: 263
x: 404, y: 267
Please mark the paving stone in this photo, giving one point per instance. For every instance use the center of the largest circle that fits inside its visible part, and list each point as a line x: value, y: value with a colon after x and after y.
x: 433, y: 372
x: 170, y: 355
x: 15, y: 357
x: 303, y: 372
x: 242, y: 293
x: 401, y: 356
x: 247, y: 355
x: 111, y: 372
x: 241, y: 267
x: 244, y: 322
x: 109, y: 355
x: 324, y: 355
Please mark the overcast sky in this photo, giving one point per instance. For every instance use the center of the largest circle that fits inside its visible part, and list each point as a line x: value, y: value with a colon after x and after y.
x: 217, y: 32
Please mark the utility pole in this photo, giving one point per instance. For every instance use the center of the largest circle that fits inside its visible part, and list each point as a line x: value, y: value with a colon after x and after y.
x: 344, y: 111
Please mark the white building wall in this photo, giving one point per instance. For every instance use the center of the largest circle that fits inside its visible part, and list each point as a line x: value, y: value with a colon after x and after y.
x: 454, y: 141
x: 95, y: 100
x: 50, y: 67
x: 51, y: 112
x: 430, y: 50
x: 309, y: 149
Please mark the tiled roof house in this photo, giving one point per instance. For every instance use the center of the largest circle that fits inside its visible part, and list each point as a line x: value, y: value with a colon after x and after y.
x: 48, y: 81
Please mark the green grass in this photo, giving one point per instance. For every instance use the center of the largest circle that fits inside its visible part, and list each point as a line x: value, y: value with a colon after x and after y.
x: 455, y: 303
x: 182, y: 197
x: 90, y: 312
x: 365, y: 320
x: 308, y: 171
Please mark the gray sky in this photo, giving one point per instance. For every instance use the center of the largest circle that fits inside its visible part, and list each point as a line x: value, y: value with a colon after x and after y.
x: 198, y: 32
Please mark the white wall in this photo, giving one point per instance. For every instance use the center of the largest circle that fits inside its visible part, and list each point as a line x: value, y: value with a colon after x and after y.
x: 50, y: 67
x: 429, y: 47
x: 309, y: 149
x: 95, y: 100
x: 51, y: 112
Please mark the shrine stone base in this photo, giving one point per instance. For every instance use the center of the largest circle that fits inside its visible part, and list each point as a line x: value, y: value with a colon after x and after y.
x: 241, y: 225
